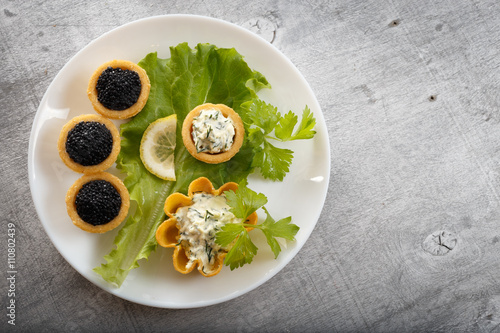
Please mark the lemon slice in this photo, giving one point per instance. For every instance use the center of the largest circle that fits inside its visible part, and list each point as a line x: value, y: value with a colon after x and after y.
x: 158, y: 145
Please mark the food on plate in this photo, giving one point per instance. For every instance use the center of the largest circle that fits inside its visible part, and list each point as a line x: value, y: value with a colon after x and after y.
x: 97, y: 202
x: 188, y: 78
x: 89, y: 143
x: 213, y: 133
x: 119, y: 89
x: 158, y: 145
x: 193, y: 223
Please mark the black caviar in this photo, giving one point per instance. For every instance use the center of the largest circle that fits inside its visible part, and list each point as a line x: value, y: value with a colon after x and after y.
x: 118, y: 89
x: 89, y: 143
x: 98, y: 202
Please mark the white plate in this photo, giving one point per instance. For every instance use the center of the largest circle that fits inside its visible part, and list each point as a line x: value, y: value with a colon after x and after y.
x: 156, y: 283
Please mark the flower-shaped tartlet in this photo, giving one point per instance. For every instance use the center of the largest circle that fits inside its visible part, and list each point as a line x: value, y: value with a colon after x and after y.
x: 98, y: 202
x: 192, y: 223
x: 119, y: 89
x: 213, y: 133
x: 89, y: 143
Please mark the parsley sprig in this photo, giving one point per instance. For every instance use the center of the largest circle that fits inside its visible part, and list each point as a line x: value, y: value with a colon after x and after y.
x: 268, y: 124
x: 244, y: 202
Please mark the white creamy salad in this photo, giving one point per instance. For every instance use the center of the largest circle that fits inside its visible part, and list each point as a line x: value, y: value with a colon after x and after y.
x: 212, y: 132
x: 198, y: 225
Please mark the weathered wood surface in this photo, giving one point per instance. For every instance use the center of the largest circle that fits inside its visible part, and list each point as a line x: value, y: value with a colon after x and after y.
x: 409, y: 236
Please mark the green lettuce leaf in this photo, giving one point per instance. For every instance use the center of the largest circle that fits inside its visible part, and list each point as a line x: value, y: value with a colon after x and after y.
x: 190, y: 77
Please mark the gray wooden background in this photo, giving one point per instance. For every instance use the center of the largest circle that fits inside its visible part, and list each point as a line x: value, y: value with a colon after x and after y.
x: 409, y: 238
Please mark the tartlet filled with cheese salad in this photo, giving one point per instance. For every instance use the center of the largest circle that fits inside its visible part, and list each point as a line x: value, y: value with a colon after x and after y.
x: 192, y: 224
x: 213, y: 133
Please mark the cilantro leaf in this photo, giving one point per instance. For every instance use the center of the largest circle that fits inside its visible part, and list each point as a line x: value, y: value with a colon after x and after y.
x: 242, y: 251
x: 272, y: 229
x: 244, y: 201
x: 285, y: 127
x: 263, y: 115
x: 228, y: 233
x: 263, y: 121
x: 274, y: 162
x: 256, y: 136
x: 306, y: 127
x: 287, y: 123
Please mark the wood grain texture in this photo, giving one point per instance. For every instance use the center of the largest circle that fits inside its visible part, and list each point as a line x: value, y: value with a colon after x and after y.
x: 409, y: 91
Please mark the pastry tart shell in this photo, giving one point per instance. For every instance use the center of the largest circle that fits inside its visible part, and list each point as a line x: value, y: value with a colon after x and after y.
x: 77, y: 167
x: 216, y: 158
x: 134, y: 109
x: 73, y: 192
x: 167, y: 233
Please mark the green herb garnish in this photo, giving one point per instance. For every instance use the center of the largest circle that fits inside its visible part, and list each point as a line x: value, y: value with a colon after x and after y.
x: 244, y: 202
x: 274, y: 162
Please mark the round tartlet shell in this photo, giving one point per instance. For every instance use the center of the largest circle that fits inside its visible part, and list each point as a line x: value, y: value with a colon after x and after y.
x: 63, y: 136
x: 134, y: 109
x: 75, y: 188
x: 167, y: 233
x: 239, y: 133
